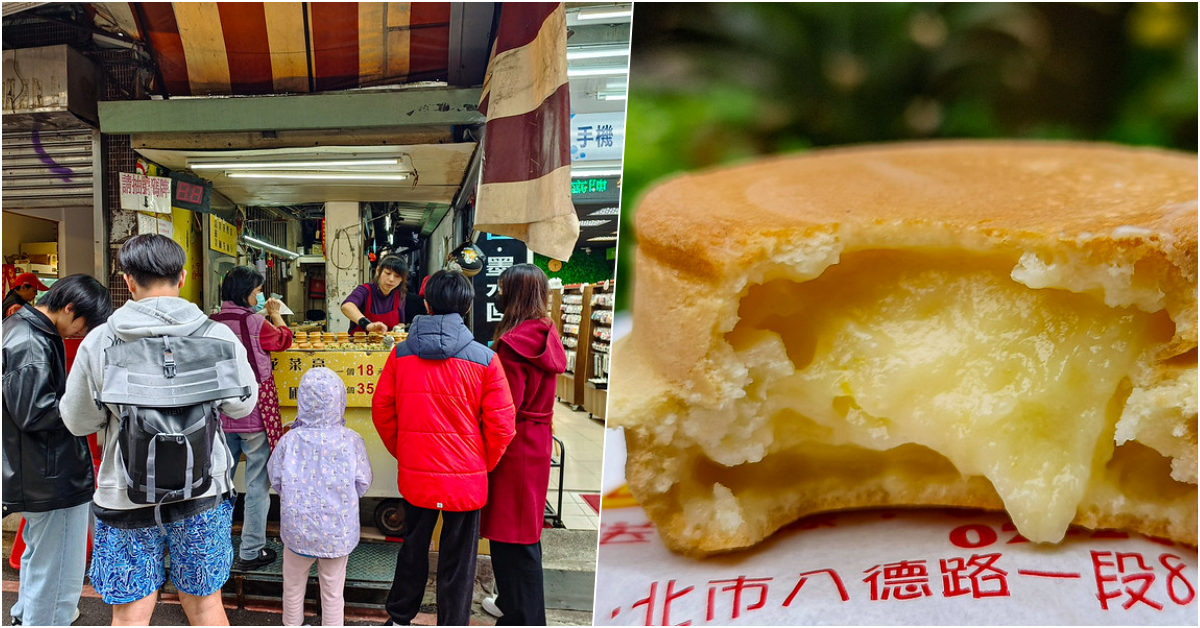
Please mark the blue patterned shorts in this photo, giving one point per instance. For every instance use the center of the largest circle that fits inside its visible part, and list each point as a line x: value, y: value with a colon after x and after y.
x: 128, y: 565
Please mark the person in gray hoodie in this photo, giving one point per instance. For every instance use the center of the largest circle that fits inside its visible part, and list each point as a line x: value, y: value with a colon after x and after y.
x: 128, y: 565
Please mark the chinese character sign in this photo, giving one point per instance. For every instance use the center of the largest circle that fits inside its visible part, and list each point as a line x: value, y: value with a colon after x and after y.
x: 145, y: 194
x: 359, y: 370
x: 501, y: 252
x: 597, y: 136
x: 222, y: 236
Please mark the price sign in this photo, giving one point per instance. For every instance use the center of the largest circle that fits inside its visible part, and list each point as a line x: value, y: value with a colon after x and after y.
x: 359, y: 370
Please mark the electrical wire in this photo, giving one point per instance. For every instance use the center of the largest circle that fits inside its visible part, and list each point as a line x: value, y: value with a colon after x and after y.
x: 335, y: 250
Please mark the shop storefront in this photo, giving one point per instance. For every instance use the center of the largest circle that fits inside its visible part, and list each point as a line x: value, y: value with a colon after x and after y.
x: 314, y: 189
x: 51, y: 152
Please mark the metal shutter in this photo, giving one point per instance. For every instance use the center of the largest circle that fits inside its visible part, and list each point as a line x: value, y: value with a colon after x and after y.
x: 49, y: 168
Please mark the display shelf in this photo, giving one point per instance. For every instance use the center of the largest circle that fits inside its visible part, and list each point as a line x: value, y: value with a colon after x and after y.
x: 575, y: 327
x: 594, y: 372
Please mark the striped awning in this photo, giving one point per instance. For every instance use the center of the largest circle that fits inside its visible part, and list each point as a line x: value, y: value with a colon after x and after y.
x: 255, y: 48
x: 525, y: 191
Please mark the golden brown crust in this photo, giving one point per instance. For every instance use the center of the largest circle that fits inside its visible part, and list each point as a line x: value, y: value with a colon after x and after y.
x: 1028, y: 193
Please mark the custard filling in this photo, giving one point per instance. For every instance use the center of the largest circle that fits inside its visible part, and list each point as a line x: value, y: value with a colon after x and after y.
x: 885, y: 350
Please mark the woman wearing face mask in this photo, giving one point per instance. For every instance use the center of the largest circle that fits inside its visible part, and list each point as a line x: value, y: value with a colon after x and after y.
x: 384, y: 303
x: 256, y: 434
x: 532, y: 355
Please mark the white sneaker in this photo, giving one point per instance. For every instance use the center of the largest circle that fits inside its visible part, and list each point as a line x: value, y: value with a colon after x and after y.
x: 75, y: 617
x: 489, y: 605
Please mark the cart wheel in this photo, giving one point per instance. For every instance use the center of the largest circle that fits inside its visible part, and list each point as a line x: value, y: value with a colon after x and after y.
x: 389, y: 517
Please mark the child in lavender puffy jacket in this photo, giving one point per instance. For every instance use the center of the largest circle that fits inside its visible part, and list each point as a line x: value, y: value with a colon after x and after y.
x: 320, y: 470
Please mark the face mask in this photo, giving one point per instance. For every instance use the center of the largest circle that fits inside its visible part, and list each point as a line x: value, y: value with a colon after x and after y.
x: 260, y: 303
x: 501, y: 302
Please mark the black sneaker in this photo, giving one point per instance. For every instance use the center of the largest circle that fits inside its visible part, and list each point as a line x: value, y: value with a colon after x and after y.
x: 265, y: 557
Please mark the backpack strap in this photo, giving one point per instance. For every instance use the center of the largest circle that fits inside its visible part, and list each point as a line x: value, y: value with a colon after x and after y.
x: 115, y: 340
x: 202, y: 330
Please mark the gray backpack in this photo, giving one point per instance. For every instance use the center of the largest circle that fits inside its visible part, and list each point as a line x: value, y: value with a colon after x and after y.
x: 167, y: 389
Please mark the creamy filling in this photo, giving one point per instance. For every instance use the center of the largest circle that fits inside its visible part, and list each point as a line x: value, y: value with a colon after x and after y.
x: 1017, y: 386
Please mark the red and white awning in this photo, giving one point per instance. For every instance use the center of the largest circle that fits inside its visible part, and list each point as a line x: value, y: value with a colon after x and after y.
x: 253, y: 48
x: 525, y: 191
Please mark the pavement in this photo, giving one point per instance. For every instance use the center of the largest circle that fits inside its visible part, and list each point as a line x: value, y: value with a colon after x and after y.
x: 568, y: 558
x: 569, y: 562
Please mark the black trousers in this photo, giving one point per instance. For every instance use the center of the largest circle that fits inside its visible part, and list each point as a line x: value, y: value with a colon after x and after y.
x: 458, y: 548
x: 520, y: 589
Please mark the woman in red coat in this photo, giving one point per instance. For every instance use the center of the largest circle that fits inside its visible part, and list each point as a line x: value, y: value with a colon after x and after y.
x: 532, y: 355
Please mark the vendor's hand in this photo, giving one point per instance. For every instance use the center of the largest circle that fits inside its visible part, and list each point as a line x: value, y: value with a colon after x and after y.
x: 377, y: 327
x: 272, y: 306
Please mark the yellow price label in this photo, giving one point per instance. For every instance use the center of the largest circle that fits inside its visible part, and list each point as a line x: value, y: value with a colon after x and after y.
x: 359, y: 371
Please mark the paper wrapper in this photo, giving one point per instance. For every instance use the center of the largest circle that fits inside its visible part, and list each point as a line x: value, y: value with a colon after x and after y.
x: 886, y: 567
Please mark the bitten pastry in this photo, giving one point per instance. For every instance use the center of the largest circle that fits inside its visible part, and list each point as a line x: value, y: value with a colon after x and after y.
x: 1002, y: 325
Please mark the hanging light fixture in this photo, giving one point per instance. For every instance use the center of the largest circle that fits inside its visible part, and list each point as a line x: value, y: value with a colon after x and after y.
x: 267, y: 246
x: 310, y: 164
x: 319, y: 175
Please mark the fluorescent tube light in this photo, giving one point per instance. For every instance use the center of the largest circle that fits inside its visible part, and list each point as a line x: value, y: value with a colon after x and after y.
x: 605, y: 211
x: 603, y: 239
x: 321, y: 176
x: 287, y: 165
x: 612, y: 95
x: 596, y: 52
x: 603, y: 13
x: 592, y: 223
x: 271, y: 247
x: 608, y: 71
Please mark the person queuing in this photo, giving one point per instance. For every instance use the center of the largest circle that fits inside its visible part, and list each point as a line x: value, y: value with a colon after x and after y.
x: 384, y: 303
x: 443, y: 409
x: 131, y: 539
x: 47, y: 471
x: 532, y: 355
x: 320, y: 470
x: 256, y: 433
x: 25, y: 288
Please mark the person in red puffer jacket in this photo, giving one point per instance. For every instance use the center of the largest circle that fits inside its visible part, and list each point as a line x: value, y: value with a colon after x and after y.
x: 443, y: 409
x: 532, y: 354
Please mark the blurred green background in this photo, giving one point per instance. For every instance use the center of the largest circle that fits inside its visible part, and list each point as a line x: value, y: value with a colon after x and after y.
x: 721, y: 83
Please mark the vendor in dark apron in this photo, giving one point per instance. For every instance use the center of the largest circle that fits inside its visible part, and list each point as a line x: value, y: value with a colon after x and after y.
x: 384, y: 303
